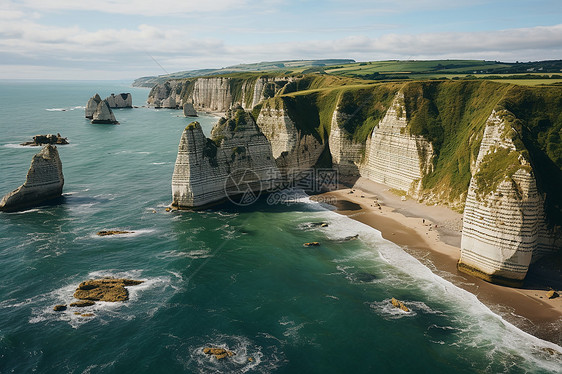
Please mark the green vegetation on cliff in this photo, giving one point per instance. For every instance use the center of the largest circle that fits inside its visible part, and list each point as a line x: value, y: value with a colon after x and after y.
x: 451, y: 115
x: 538, y: 111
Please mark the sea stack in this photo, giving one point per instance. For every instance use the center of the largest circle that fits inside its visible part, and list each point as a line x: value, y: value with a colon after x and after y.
x: 122, y: 100
x: 236, y: 161
x: 189, y: 110
x: 44, y: 182
x: 104, y: 114
x: 92, y: 106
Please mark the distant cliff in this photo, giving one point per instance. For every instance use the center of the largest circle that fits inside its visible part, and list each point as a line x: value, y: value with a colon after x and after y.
x: 491, y: 150
x: 216, y: 94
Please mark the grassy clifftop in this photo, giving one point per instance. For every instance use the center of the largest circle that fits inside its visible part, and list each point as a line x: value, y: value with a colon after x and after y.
x: 450, y: 114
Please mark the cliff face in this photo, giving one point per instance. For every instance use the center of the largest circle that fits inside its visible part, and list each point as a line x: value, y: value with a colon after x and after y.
x: 122, y: 100
x: 44, y: 182
x: 347, y: 154
x: 237, y: 164
x: 504, y: 220
x: 166, y: 95
x: 216, y: 94
x: 290, y: 147
x: 393, y: 156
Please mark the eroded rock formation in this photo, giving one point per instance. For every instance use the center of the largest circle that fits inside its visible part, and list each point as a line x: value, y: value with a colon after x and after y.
x: 46, y: 139
x: 122, y: 100
x: 504, y: 227
x: 189, y: 110
x: 236, y: 161
x: 44, y: 182
x: 393, y: 156
x: 104, y: 114
x: 92, y: 105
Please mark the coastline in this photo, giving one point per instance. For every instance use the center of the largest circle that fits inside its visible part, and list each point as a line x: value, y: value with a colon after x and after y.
x: 432, y: 234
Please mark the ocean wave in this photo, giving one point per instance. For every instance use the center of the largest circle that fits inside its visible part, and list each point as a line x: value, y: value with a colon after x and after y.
x: 65, y: 109
x: 17, y: 145
x: 194, y: 254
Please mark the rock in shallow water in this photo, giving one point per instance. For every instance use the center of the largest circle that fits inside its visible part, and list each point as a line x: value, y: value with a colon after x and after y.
x: 106, y: 289
x: 59, y: 308
x: 113, y: 232
x: 46, y: 139
x: 82, y: 304
x: 399, y: 304
x: 219, y: 353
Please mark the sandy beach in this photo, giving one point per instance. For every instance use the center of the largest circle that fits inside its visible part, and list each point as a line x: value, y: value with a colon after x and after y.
x: 432, y: 234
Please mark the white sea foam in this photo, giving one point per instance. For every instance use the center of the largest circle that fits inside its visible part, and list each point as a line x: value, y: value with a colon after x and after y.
x: 195, y: 254
x: 14, y: 145
x: 65, y: 109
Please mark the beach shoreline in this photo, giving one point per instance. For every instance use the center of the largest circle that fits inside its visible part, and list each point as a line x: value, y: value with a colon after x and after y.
x: 432, y: 234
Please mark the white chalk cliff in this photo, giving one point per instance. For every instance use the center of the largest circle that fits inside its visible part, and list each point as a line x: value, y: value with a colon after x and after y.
x: 122, y: 100
x: 504, y: 229
x: 92, y: 105
x: 215, y: 94
x: 347, y: 154
x: 292, y: 149
x: 238, y: 163
x: 393, y: 156
x: 189, y: 110
x: 104, y: 114
x: 44, y: 182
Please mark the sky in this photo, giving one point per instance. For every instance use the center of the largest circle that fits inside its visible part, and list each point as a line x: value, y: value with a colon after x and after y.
x: 115, y: 39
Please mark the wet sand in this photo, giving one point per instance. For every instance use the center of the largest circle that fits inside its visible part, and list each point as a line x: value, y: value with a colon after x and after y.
x: 432, y: 234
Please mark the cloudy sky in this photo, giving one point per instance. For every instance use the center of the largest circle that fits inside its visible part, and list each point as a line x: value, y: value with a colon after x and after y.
x: 117, y: 39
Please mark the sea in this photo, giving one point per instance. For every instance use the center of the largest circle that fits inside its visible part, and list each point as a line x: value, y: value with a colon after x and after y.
x: 236, y: 277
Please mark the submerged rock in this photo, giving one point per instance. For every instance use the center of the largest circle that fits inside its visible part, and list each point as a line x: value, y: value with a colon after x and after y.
x: 46, y: 139
x: 365, y: 277
x: 44, y: 182
x: 104, y: 114
x: 113, y: 232
x: 399, y: 304
x: 189, y: 110
x: 82, y: 303
x: 219, y: 353
x: 311, y: 244
x: 106, y: 289
x: 92, y: 105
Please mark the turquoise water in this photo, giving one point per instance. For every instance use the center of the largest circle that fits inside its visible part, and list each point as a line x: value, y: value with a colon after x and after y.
x: 230, y: 277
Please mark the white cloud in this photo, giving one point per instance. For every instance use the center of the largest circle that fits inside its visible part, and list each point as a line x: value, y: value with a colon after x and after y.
x: 139, y: 7
x: 130, y: 51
